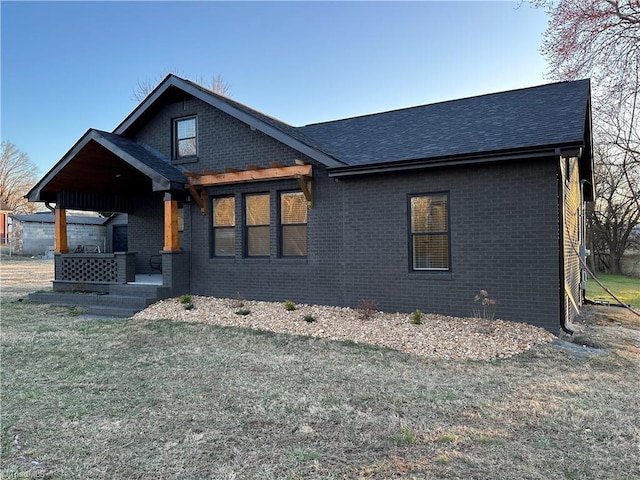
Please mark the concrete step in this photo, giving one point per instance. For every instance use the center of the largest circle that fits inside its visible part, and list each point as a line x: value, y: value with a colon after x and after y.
x: 135, y: 300
x: 155, y: 292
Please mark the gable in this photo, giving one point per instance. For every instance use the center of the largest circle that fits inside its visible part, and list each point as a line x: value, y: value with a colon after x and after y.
x: 174, y: 89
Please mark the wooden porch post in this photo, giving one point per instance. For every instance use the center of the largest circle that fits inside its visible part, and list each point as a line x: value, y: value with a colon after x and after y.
x: 171, y: 241
x: 61, y: 245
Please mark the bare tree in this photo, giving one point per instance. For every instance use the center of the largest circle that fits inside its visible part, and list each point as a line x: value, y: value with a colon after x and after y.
x: 615, y: 215
x: 18, y: 174
x: 601, y: 39
x: 217, y: 84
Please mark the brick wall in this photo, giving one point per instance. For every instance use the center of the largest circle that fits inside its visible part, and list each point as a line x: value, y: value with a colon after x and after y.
x: 571, y: 236
x: 504, y: 231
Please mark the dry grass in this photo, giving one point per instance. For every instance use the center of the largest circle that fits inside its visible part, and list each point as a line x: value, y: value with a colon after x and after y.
x: 87, y: 398
x: 84, y: 398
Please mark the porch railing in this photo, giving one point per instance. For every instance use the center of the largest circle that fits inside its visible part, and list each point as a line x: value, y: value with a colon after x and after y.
x: 93, y: 270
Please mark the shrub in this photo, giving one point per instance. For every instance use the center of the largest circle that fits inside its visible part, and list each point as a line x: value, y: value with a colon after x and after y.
x: 309, y: 318
x: 289, y: 306
x: 237, y: 302
x: 243, y: 311
x: 485, y: 307
x: 367, y: 308
x: 187, y: 302
x: 416, y: 317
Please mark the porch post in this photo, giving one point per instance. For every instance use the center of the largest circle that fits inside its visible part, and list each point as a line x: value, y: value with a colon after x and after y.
x: 61, y: 245
x: 171, y: 242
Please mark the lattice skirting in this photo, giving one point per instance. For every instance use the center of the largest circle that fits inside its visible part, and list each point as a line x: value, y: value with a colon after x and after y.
x: 89, y: 270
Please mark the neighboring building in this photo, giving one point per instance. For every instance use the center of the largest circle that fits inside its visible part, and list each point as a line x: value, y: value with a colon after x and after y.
x: 417, y: 208
x: 5, y: 211
x: 34, y: 234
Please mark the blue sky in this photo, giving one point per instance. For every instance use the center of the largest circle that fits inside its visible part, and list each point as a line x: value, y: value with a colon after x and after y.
x: 70, y: 66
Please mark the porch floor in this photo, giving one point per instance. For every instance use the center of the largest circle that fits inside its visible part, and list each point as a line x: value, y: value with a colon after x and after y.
x: 146, y: 279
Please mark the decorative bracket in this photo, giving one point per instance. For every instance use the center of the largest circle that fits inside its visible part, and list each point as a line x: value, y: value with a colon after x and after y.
x: 306, y: 185
x: 200, y: 197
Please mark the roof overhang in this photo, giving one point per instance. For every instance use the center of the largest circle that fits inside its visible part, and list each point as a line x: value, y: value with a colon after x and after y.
x: 97, y: 164
x: 439, y: 162
x: 174, y: 88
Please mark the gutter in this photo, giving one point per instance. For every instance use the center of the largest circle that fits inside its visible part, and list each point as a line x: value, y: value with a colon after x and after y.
x: 465, y: 159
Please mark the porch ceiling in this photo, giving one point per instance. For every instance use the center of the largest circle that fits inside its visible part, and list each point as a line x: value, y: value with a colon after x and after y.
x: 105, y: 163
x: 96, y: 169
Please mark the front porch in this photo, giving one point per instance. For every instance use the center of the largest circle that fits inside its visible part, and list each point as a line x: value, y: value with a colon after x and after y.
x: 107, y: 284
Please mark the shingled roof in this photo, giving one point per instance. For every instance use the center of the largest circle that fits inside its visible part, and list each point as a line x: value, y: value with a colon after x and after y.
x: 530, y: 122
x: 538, y: 117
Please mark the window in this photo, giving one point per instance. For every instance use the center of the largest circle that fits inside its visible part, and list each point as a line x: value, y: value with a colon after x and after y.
x: 293, y: 224
x: 224, y: 227
x: 430, y: 232
x: 185, y: 144
x: 257, y: 222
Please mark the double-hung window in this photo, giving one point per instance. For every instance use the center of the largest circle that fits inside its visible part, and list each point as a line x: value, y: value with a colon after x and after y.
x: 429, y: 235
x: 293, y: 224
x: 224, y: 227
x: 185, y: 142
x: 257, y: 225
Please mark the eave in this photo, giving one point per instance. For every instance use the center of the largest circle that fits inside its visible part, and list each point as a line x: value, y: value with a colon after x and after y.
x: 449, y: 161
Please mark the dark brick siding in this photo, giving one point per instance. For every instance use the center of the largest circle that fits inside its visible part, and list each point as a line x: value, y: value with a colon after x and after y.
x: 504, y: 231
x: 146, y: 229
x: 571, y: 236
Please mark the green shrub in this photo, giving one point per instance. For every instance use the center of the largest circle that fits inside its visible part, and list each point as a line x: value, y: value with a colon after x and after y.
x: 309, y: 318
x: 289, y: 306
x: 243, y: 311
x: 185, y: 299
x: 416, y: 317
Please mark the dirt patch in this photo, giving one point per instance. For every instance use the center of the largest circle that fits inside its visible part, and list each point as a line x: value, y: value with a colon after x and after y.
x: 608, y: 327
x: 20, y: 276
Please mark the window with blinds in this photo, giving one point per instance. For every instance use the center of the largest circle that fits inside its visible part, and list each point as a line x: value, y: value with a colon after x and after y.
x: 429, y: 232
x: 224, y: 227
x: 257, y: 225
x: 293, y: 224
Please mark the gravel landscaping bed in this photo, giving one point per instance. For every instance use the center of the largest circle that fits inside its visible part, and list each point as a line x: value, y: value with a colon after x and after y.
x: 437, y: 336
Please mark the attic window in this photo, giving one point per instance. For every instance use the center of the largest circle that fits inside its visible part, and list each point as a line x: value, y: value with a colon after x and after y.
x: 185, y: 140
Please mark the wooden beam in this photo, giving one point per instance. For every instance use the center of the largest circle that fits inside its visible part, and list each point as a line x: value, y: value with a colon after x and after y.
x: 210, y: 172
x: 171, y: 241
x: 305, y: 184
x: 278, y: 173
x: 191, y: 174
x: 231, y: 170
x: 251, y: 166
x: 276, y: 165
x: 60, y: 241
x: 200, y: 198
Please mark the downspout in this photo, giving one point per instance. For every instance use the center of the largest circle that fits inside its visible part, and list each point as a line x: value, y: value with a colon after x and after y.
x: 563, y: 300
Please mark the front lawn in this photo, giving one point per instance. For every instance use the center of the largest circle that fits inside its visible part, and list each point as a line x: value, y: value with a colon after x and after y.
x: 625, y: 288
x: 105, y: 399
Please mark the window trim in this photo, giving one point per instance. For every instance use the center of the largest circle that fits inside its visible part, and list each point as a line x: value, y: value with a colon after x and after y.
x: 246, y: 227
x: 213, y: 228
x: 411, y: 234
x: 176, y: 140
x: 282, y: 226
